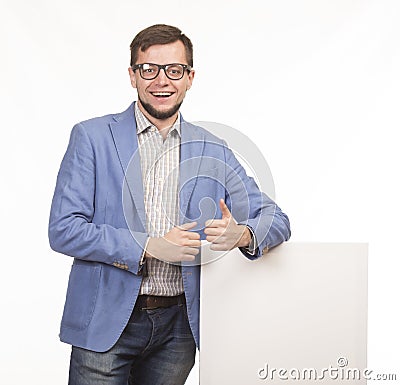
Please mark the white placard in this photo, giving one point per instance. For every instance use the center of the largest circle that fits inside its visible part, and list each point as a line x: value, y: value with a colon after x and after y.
x: 299, y: 311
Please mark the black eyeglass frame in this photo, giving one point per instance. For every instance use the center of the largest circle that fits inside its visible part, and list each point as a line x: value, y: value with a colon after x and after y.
x: 160, y: 67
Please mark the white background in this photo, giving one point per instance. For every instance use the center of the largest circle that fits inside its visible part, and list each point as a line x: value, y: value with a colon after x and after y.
x: 314, y: 83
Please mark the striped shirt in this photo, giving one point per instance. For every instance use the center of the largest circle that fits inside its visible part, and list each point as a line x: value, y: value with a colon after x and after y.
x: 160, y: 173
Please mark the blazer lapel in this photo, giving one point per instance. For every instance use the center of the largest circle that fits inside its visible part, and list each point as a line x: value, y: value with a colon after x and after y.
x: 123, y: 131
x: 192, y: 146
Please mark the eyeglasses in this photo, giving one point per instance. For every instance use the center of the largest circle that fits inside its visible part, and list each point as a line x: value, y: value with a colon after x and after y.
x: 150, y: 71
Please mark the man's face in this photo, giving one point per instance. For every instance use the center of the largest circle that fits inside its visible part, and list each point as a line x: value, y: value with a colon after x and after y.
x: 161, y: 97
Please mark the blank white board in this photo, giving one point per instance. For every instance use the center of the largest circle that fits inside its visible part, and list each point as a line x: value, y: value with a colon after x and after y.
x: 296, y: 315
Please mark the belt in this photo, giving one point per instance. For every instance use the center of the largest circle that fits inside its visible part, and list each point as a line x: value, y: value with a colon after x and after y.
x: 148, y: 302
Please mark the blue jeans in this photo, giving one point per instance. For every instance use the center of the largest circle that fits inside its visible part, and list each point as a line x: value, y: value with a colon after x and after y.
x: 156, y: 348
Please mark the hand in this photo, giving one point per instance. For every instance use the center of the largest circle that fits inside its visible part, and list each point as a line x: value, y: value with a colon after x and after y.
x: 177, y: 245
x: 225, y: 234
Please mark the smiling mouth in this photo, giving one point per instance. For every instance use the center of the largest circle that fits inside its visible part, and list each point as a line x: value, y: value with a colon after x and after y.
x: 162, y: 94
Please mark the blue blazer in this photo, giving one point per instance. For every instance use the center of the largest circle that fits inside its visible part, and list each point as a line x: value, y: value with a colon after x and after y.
x: 98, y: 217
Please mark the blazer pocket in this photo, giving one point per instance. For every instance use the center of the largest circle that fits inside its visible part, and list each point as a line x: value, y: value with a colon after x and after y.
x: 82, y: 292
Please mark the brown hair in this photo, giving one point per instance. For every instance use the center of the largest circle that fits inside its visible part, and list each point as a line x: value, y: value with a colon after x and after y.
x: 160, y: 34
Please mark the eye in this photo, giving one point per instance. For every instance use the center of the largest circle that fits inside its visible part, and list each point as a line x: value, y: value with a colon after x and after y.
x: 175, y: 70
x: 149, y: 69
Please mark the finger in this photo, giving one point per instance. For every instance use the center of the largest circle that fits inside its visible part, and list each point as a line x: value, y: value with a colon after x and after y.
x: 187, y: 258
x: 219, y: 247
x: 191, y: 251
x: 224, y: 209
x: 192, y: 235
x: 187, y: 226
x: 212, y: 239
x: 215, y: 231
x: 193, y: 243
x: 213, y: 223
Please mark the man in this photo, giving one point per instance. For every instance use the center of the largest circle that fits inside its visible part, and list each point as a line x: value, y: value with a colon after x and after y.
x: 129, y: 207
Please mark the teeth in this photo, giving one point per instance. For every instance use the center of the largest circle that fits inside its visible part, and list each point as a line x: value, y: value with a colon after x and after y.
x: 162, y: 93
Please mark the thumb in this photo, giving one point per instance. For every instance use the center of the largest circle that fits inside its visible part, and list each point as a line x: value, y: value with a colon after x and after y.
x: 224, y: 209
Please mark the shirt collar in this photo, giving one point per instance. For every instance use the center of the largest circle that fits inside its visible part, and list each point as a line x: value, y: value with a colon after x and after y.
x: 142, y: 123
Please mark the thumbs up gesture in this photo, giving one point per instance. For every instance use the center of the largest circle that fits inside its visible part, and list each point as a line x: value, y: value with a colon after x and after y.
x: 225, y: 234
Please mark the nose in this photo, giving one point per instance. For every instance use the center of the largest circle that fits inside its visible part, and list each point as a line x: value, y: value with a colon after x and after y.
x: 161, y: 78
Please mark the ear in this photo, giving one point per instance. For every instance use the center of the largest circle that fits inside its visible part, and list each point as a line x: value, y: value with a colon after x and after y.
x: 132, y: 76
x: 190, y: 80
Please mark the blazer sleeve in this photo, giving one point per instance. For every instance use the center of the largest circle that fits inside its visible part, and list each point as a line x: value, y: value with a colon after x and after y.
x: 251, y: 207
x: 71, y: 228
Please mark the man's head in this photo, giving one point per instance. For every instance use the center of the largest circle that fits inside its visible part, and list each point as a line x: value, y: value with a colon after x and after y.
x: 161, y: 90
